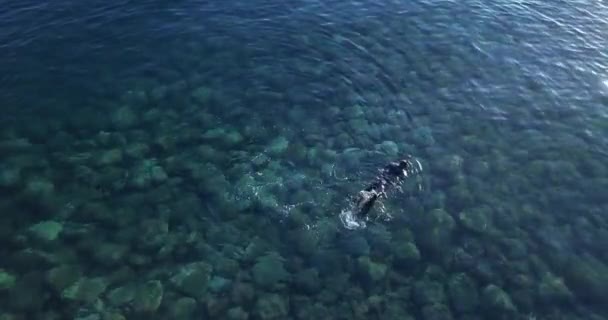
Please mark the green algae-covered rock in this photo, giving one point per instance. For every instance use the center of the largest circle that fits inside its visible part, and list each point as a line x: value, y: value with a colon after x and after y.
x: 146, y: 174
x: 267, y: 201
x: 137, y: 150
x: 406, y: 254
x: 123, y: 117
x: 390, y: 148
x: 271, y: 306
x: 183, y: 309
x: 122, y: 295
x: 214, y: 134
x: 61, y: 277
x: 46, y: 230
x: 496, y: 299
x: 10, y: 176
x: 202, y: 95
x: 477, y: 220
x: 277, y: 146
x: 110, y: 254
x: 436, y: 312
x: 218, y: 284
x: 148, y: 297
x: 435, y: 232
x: 192, y: 279
x: 39, y: 187
x: 459, y: 197
x: 85, y: 290
x: 423, y: 136
x: 109, y: 157
x: 237, y: 313
x: 223, y: 137
x: 463, y: 294
x: 153, y: 234
x: 427, y: 292
x: 358, y: 126
x: 552, y: 289
x: 232, y: 138
x: 112, y: 315
x: 588, y: 278
x: 269, y: 270
x: 373, y: 271
x: 7, y: 280
x: 395, y: 311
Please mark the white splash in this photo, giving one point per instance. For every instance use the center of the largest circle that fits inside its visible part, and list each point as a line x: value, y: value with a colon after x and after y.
x: 350, y: 221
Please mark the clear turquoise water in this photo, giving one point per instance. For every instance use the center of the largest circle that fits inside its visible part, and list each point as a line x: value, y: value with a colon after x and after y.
x: 191, y: 159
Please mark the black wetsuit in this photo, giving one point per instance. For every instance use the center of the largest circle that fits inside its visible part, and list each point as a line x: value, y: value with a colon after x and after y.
x: 391, y: 175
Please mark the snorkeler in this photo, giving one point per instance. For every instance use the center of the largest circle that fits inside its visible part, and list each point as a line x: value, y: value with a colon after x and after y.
x: 389, y: 176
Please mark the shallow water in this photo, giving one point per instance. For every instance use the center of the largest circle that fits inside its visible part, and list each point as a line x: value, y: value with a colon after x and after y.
x: 191, y: 159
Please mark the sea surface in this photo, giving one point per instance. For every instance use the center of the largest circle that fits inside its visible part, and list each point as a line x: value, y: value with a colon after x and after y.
x: 201, y: 159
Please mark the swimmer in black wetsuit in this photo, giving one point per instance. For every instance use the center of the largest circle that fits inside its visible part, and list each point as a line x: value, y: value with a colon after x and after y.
x: 389, y: 176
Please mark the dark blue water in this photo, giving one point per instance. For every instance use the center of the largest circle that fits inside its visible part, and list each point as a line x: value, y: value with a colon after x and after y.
x: 191, y: 159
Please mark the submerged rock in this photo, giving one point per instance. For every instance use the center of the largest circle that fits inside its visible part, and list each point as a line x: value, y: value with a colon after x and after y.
x: 233, y: 137
x: 355, y: 244
x: 436, y: 312
x: 113, y: 315
x: 123, y: 117
x: 406, y: 254
x: 277, y: 146
x: 10, y: 177
x: 183, y: 309
x: 192, y: 279
x: 237, y: 313
x: 242, y: 293
x: 269, y: 270
x: 146, y: 174
x: 496, y: 299
x: 308, y: 281
x: 154, y: 233
x: 137, y: 150
x: 553, y: 289
x: 28, y: 293
x: 428, y: 292
x: 85, y: 290
x: 463, y: 293
x: 39, y: 187
x: 271, y: 306
x: 109, y: 157
x: 148, y: 297
x: 390, y: 148
x: 110, y: 254
x: 373, y: 271
x: 59, y: 278
x: 122, y: 295
x: 423, y: 136
x: 436, y: 230
x: 7, y: 280
x: 306, y: 242
x: 477, y: 220
x: 224, y: 138
x: 218, y: 284
x: 588, y: 278
x: 202, y: 95
x: 46, y: 230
